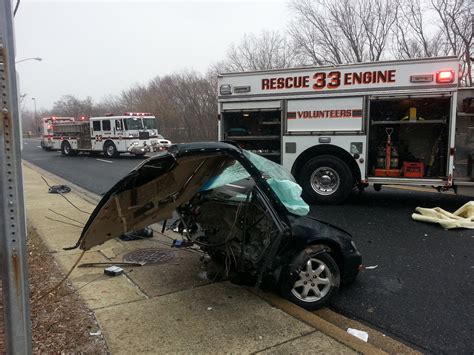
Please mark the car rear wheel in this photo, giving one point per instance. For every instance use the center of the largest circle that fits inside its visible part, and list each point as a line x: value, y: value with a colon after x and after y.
x: 315, y: 282
x: 326, y: 179
x: 110, y: 150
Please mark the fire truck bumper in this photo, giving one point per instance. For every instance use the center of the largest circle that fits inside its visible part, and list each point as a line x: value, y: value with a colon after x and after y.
x: 139, y: 149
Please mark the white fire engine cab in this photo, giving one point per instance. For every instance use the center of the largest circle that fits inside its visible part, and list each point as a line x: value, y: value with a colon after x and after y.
x: 47, y: 130
x: 134, y: 132
x: 339, y: 127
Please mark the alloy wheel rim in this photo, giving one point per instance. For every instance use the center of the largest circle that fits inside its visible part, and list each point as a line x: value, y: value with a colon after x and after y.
x: 325, y: 181
x: 314, y: 283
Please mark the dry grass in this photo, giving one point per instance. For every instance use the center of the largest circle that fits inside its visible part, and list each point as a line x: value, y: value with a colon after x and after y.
x: 61, y: 322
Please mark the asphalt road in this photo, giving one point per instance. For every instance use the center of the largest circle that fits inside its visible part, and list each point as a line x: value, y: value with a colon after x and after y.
x: 422, y: 290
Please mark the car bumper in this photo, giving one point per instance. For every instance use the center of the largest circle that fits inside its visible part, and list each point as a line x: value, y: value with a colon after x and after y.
x: 352, y: 264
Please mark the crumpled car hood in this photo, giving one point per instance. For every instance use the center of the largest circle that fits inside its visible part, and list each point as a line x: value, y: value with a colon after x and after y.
x: 151, y: 192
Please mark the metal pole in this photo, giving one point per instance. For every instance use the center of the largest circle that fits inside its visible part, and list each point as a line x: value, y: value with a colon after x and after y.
x: 12, y: 214
x: 36, y: 118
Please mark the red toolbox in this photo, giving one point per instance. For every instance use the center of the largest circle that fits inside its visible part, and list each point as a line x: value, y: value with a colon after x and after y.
x: 413, y: 170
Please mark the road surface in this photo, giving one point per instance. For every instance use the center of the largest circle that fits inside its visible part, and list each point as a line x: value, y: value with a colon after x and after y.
x: 422, y: 290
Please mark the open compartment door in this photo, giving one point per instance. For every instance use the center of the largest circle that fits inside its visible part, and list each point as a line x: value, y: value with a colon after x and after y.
x: 255, y: 126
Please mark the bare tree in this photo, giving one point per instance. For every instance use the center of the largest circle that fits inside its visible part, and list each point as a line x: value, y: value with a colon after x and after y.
x: 434, y: 28
x: 457, y: 23
x: 268, y: 50
x: 342, y: 31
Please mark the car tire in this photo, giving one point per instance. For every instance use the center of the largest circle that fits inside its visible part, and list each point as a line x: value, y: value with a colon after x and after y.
x: 315, y: 282
x: 326, y: 179
x: 66, y: 149
x: 110, y: 150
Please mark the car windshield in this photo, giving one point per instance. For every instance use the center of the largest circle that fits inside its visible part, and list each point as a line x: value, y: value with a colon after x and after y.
x: 133, y: 123
x: 279, y: 178
x: 149, y: 123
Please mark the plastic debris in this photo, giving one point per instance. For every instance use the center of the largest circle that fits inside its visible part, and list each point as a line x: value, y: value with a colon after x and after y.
x: 97, y: 333
x: 371, y: 267
x: 209, y: 308
x: 358, y: 334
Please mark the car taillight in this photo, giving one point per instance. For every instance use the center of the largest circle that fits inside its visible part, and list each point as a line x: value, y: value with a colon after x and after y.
x: 445, y: 76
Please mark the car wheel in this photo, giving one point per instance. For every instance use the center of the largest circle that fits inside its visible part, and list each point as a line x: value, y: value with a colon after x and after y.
x: 326, y: 179
x: 66, y: 149
x: 110, y: 150
x: 315, y: 282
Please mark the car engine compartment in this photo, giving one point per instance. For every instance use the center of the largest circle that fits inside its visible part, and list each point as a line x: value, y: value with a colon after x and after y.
x: 233, y: 228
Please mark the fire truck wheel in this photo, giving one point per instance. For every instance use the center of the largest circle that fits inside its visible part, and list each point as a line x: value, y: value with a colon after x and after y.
x: 326, y: 179
x: 110, y: 150
x: 66, y: 149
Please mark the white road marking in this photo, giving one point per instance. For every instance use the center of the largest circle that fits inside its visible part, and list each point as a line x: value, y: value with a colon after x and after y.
x: 38, y: 146
x: 25, y: 143
x: 105, y: 161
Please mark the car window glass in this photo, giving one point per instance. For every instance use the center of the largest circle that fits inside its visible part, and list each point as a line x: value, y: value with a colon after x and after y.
x: 96, y: 125
x: 118, y: 125
x: 106, y: 125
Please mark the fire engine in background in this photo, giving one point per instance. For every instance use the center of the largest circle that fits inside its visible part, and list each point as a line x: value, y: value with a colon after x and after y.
x: 336, y: 128
x: 47, y: 130
x: 134, y: 132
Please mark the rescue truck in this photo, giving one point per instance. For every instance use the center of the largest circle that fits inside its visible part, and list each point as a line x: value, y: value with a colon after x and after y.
x: 47, y: 130
x: 341, y: 127
x: 133, y: 132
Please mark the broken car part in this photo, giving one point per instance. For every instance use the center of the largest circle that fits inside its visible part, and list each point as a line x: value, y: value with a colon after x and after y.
x: 244, y: 211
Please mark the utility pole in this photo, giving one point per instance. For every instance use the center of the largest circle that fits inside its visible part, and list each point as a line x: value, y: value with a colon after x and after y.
x: 36, y: 117
x: 12, y: 214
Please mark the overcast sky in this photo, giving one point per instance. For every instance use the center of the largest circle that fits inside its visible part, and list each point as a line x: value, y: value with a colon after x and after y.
x: 97, y: 48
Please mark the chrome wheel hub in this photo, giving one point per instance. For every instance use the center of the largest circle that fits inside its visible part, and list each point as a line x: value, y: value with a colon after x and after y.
x: 110, y: 150
x: 325, y: 180
x: 314, y: 281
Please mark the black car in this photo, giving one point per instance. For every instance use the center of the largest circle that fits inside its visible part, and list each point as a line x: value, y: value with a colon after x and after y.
x: 243, y: 210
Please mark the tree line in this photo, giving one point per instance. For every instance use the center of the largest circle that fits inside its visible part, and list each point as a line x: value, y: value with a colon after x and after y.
x: 321, y: 32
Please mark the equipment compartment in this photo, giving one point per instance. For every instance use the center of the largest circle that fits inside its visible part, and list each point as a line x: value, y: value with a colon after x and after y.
x: 256, y: 131
x: 419, y: 132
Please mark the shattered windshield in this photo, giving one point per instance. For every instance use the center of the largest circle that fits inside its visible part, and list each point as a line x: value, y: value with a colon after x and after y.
x: 133, y: 123
x: 279, y: 178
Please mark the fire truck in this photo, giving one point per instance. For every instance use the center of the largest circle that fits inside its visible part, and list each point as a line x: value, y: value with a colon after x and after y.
x: 133, y: 132
x: 337, y: 128
x: 47, y: 130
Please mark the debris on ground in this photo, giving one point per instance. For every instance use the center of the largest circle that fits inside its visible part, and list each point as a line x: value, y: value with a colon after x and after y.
x: 61, y: 322
x: 370, y: 267
x: 359, y: 334
x: 59, y: 189
x: 461, y: 218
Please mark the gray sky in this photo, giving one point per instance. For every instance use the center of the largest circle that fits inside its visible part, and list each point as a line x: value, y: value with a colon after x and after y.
x: 97, y: 48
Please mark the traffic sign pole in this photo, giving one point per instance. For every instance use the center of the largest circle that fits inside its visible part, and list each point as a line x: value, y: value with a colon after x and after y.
x: 12, y: 214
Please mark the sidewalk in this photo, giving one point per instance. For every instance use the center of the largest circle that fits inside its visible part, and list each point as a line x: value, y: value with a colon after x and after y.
x: 166, y: 307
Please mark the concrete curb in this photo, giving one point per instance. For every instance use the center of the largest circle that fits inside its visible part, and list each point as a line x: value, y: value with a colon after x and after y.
x: 319, y: 324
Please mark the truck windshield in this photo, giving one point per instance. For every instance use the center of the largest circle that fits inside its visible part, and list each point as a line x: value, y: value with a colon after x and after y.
x: 149, y: 123
x: 133, y: 123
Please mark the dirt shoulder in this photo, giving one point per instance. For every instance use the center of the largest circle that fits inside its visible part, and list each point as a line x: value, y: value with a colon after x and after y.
x: 61, y: 322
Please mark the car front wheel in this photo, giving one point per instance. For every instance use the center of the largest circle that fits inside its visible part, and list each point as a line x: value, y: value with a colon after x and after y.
x: 314, y: 283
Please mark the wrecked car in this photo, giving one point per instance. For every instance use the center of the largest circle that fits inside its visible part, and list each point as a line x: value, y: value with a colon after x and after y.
x: 244, y: 211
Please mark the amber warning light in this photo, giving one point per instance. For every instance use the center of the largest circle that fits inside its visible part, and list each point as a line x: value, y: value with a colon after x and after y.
x: 445, y: 76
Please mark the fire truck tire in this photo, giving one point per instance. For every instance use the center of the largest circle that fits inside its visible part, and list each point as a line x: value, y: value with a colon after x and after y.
x: 66, y: 149
x: 326, y: 179
x: 110, y: 150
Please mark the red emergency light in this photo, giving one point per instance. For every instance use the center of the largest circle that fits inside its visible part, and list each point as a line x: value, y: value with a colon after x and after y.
x: 445, y: 76
x: 137, y: 114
